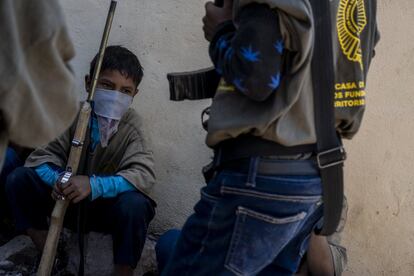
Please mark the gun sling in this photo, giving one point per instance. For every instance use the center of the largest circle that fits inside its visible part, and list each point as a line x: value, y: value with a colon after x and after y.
x: 330, y: 153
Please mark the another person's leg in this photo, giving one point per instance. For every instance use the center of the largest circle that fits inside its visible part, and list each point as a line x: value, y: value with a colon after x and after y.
x: 319, y: 257
x: 325, y: 255
x: 323, y: 258
x: 11, y: 162
x: 30, y: 202
x: 165, y: 247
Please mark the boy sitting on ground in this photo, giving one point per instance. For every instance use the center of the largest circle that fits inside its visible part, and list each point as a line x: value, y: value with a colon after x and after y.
x: 113, y: 180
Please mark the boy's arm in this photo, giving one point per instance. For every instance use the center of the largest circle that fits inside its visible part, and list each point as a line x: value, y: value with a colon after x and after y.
x: 105, y: 186
x: 137, y: 164
x: 250, y: 57
x: 49, y: 161
x: 48, y: 174
x: 135, y: 170
x: 109, y: 186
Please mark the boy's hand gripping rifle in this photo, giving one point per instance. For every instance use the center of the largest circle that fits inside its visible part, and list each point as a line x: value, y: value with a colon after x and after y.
x: 195, y: 85
x: 58, y: 214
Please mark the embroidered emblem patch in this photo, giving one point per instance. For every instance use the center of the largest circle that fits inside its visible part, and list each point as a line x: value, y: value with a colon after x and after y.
x: 351, y: 21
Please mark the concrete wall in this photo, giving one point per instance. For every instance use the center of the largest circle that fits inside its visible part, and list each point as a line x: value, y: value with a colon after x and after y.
x: 380, y: 169
x: 166, y: 36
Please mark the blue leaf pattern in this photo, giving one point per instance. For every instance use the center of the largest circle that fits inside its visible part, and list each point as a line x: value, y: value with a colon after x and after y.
x: 239, y: 85
x: 250, y: 55
x: 275, y: 81
x: 279, y: 46
x: 222, y: 43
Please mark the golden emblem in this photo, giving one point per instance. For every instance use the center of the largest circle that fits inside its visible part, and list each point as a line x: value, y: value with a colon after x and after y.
x: 351, y: 21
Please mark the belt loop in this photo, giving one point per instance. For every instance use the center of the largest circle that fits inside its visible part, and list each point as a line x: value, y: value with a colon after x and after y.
x: 251, y: 177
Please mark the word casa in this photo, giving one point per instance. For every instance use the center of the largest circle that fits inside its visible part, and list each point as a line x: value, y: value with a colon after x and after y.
x: 350, y: 85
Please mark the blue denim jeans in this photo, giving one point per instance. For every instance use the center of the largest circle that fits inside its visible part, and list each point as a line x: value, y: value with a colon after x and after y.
x: 11, y: 162
x: 126, y: 217
x: 248, y: 224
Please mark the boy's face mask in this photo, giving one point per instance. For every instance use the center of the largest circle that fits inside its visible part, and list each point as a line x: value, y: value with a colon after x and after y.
x: 109, y: 106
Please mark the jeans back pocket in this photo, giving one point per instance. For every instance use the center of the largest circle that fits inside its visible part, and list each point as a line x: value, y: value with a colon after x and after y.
x: 258, y: 238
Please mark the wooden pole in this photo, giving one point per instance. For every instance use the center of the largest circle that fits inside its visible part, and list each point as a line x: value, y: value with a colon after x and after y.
x: 58, y: 214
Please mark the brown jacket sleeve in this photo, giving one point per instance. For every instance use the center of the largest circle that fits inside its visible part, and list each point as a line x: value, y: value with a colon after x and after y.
x: 137, y: 163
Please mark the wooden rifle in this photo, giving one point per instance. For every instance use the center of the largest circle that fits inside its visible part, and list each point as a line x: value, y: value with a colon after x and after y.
x: 58, y: 214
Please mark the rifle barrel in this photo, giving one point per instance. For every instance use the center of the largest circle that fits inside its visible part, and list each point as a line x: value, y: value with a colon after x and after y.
x: 102, y: 48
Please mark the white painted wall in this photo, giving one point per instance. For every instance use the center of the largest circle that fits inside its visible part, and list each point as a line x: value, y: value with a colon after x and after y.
x: 380, y: 170
x: 167, y: 36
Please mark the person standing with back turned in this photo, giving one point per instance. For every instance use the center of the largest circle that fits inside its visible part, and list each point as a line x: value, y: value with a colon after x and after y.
x: 264, y: 197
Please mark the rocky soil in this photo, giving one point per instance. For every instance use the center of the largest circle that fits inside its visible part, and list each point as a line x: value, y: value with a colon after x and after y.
x: 18, y: 257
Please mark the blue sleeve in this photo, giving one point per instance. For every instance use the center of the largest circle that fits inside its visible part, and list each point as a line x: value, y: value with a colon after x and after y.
x: 47, y: 174
x: 109, y: 186
x: 250, y: 57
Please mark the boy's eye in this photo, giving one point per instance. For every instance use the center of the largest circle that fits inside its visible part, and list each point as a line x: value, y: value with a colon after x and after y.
x: 105, y: 85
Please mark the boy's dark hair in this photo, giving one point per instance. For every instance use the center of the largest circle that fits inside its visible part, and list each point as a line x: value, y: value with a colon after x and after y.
x: 120, y: 58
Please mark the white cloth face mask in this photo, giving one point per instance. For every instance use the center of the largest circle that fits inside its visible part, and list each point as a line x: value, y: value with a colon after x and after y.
x: 109, y: 106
